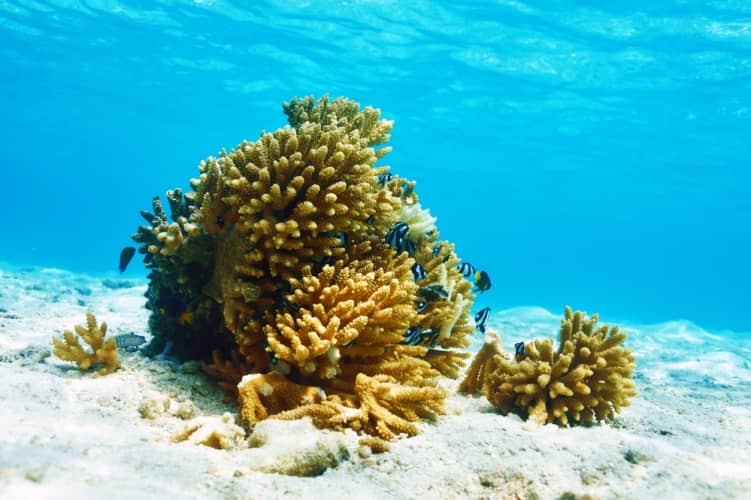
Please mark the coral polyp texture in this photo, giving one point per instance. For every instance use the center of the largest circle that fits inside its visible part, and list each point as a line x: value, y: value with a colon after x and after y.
x: 587, y: 379
x: 310, y: 275
x: 100, y: 351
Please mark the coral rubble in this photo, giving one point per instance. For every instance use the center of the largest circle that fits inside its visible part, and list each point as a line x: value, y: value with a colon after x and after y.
x: 215, y: 432
x: 587, y: 379
x: 103, y: 350
x: 310, y: 276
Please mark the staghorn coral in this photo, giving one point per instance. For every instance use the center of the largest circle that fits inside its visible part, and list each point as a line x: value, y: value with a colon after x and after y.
x: 261, y: 395
x: 587, y: 379
x: 281, y: 261
x: 386, y: 408
x: 342, y: 305
x: 103, y: 350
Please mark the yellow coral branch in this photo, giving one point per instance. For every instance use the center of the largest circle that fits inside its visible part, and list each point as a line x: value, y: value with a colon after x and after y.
x: 103, y: 350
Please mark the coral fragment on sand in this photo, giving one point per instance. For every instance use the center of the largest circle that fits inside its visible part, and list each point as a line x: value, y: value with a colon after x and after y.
x: 103, y: 351
x: 586, y: 380
x: 215, y: 432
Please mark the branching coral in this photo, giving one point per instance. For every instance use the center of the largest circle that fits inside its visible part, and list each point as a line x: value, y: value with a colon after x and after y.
x: 341, y: 306
x: 103, y: 350
x: 287, y: 262
x: 587, y: 379
x: 386, y: 407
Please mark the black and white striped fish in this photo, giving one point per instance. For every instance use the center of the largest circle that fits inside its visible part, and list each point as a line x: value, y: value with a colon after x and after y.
x: 481, y: 318
x: 432, y: 292
x: 418, y: 272
x: 519, y: 348
x: 466, y: 269
x: 412, y: 335
x: 382, y: 179
x: 396, y: 236
x: 421, y: 305
x: 436, y: 250
x: 416, y: 335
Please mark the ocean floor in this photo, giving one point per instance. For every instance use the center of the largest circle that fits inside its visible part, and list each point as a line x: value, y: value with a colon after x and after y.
x: 67, y: 434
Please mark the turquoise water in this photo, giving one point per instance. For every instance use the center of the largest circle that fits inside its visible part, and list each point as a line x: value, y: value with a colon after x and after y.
x: 582, y: 154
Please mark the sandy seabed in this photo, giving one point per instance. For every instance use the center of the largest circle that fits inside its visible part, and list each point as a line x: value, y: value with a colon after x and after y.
x: 67, y: 434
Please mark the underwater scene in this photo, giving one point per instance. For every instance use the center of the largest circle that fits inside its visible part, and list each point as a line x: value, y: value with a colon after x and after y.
x: 375, y: 249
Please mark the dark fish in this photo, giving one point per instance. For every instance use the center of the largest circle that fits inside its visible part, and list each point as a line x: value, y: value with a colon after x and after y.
x: 481, y: 318
x: 220, y: 221
x: 482, y: 282
x: 148, y: 216
x: 126, y: 254
x: 466, y: 269
x: 129, y: 341
x: 409, y: 246
x: 382, y: 179
x: 343, y: 239
x: 370, y: 219
x: 396, y: 236
x: 418, y: 272
x: 421, y: 305
x: 437, y: 251
x: 432, y: 292
x: 288, y: 304
x: 519, y: 348
x: 174, y: 307
x: 412, y: 335
x: 416, y: 335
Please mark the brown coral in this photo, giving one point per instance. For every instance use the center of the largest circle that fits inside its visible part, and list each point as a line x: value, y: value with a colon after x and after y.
x: 103, y: 350
x: 587, y: 379
x: 385, y: 408
x: 282, y: 259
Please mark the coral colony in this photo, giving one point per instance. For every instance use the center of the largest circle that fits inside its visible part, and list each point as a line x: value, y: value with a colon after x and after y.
x: 311, y: 282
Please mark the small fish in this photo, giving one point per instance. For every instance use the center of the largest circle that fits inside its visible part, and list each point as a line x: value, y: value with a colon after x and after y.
x: 175, y: 307
x: 126, y: 254
x: 288, y: 304
x: 436, y: 250
x: 481, y: 318
x: 220, y: 221
x: 432, y: 335
x: 432, y: 292
x: 482, y: 282
x: 416, y: 335
x: 418, y: 272
x: 382, y: 179
x: 466, y: 269
x: 148, y: 216
x: 519, y: 348
x: 343, y: 238
x: 412, y: 335
x: 396, y: 236
x: 129, y: 341
x: 409, y: 246
x: 370, y: 219
x: 421, y: 305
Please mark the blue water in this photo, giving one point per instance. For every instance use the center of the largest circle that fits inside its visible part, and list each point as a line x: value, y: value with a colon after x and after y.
x: 583, y: 153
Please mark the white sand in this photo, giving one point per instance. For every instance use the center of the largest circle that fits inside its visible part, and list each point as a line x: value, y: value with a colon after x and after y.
x: 66, y: 434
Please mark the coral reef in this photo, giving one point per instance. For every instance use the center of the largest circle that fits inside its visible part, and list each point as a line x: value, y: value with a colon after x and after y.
x: 310, y: 276
x: 587, y: 379
x: 103, y: 350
